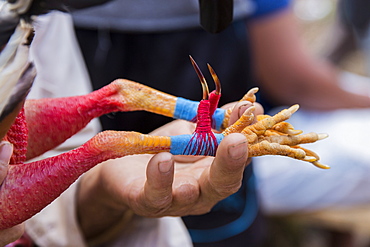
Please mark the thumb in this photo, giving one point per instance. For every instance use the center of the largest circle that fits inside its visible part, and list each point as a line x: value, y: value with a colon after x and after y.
x: 6, y: 150
x: 226, y: 172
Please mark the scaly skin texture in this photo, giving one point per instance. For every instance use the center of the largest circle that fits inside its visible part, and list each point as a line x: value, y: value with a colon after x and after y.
x: 29, y: 187
x: 33, y: 186
x: 270, y: 135
x: 52, y: 121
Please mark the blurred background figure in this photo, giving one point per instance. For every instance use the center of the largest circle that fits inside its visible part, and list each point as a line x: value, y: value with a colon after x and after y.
x: 326, y: 208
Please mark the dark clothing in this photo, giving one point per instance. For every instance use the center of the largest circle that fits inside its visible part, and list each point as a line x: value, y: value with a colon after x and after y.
x: 161, y: 61
x: 235, y: 221
x: 354, y: 14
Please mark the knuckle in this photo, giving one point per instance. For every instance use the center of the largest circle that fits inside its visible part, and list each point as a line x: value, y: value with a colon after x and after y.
x: 157, y: 207
x: 225, y: 191
x: 161, y: 202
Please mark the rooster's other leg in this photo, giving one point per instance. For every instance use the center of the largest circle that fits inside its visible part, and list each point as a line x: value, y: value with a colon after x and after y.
x: 30, y: 187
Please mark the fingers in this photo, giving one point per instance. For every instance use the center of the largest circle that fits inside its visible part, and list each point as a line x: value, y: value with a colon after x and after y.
x: 158, y: 186
x: 259, y: 109
x: 238, y: 110
x: 226, y: 172
x: 240, y: 107
x: 6, y: 150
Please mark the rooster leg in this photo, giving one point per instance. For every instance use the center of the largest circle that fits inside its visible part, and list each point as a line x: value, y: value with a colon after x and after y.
x: 30, y: 187
x: 52, y: 121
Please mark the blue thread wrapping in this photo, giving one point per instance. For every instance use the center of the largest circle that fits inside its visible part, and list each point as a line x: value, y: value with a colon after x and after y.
x: 187, y: 110
x: 179, y: 143
x: 218, y: 118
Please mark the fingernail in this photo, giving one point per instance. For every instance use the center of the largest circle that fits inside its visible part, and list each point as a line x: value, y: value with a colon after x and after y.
x: 238, y: 151
x: 165, y: 166
x: 242, y: 109
x: 6, y: 150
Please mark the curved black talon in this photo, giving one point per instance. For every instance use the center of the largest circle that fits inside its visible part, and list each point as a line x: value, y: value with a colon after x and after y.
x: 201, y: 78
x: 215, y: 79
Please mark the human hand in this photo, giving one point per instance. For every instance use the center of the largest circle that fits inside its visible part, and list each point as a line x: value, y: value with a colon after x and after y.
x: 11, y: 234
x: 120, y: 185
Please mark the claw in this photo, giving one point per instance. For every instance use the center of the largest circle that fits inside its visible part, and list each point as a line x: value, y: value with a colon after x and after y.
x: 319, y: 165
x: 315, y: 162
x: 250, y: 95
x: 286, y: 128
x: 270, y: 135
x: 310, y: 159
x: 201, y: 78
x: 260, y: 127
x: 215, y: 79
x: 322, y: 136
x: 245, y: 120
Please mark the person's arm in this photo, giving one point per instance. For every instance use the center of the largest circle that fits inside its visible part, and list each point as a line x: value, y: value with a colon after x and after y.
x: 109, y: 191
x: 288, y: 73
